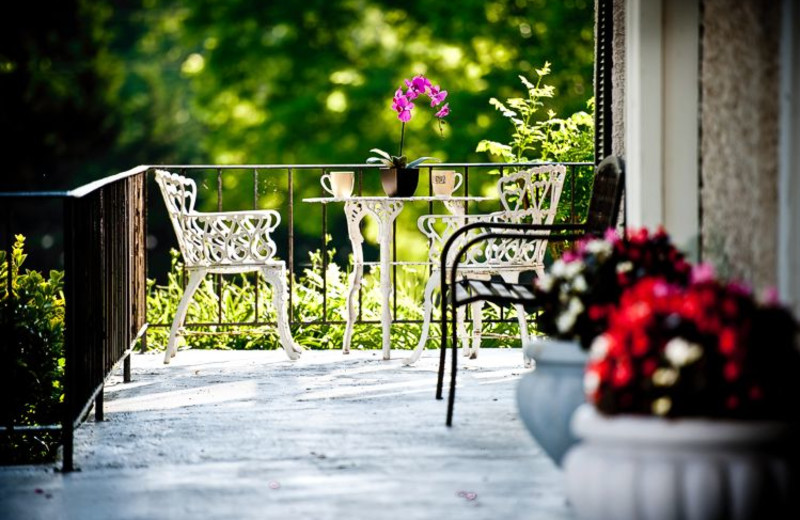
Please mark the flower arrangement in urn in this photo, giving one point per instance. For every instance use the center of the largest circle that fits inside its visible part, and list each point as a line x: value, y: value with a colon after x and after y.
x: 697, y: 383
x: 581, y: 289
x: 691, y: 393
x: 399, y: 176
x: 706, y: 350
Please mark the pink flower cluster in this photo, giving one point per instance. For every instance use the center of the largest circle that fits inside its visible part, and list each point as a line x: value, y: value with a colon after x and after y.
x: 708, y: 349
x: 402, y: 103
x: 583, y: 288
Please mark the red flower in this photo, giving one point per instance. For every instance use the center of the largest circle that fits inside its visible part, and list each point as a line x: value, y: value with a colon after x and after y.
x: 732, y: 371
x: 696, y: 346
x: 622, y: 374
x: 727, y: 341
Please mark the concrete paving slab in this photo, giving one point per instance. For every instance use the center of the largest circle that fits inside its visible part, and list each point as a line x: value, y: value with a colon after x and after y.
x: 249, y: 434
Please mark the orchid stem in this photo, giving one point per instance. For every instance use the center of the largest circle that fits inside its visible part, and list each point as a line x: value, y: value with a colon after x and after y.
x: 402, y: 136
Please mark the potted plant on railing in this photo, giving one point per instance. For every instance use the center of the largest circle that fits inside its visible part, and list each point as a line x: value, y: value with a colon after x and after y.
x: 399, y: 176
x: 693, y: 408
x: 575, y: 299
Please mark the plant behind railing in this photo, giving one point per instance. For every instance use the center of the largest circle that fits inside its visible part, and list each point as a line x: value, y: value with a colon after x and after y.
x: 553, y: 139
x: 316, y: 324
x: 35, y: 307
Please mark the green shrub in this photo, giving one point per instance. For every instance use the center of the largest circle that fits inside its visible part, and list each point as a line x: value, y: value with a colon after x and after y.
x: 33, y: 324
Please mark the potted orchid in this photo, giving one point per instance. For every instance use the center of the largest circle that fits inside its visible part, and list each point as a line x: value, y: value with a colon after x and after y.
x: 399, y: 176
x: 697, y: 383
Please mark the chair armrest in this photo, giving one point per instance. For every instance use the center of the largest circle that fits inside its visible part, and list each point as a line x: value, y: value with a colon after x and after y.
x: 515, y: 231
x: 272, y: 217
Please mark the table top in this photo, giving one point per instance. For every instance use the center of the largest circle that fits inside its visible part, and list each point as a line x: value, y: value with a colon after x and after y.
x: 379, y: 198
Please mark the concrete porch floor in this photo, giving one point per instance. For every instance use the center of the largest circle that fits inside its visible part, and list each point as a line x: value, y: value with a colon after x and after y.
x: 249, y: 434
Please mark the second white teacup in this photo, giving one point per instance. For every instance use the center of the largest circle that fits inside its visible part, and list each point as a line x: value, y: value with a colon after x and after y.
x: 445, y: 182
x: 338, y: 184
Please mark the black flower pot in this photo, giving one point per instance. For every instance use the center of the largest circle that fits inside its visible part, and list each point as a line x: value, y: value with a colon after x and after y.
x: 400, y: 182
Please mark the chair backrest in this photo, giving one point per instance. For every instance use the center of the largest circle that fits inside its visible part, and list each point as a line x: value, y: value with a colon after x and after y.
x: 234, y: 239
x: 529, y: 196
x: 607, y: 190
x: 180, y: 194
x: 535, y: 191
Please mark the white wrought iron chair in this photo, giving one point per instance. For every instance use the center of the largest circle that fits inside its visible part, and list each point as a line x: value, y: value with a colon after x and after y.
x: 223, y: 242
x: 529, y: 196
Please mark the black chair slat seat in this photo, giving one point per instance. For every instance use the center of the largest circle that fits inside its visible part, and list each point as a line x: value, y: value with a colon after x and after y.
x: 499, y: 292
x: 604, y: 211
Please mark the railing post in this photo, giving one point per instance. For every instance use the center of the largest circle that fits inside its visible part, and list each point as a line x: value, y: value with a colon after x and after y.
x: 8, y: 345
x: 70, y: 327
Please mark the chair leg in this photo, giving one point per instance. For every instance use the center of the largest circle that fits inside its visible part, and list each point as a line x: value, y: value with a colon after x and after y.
x: 427, y: 311
x: 461, y: 327
x: 443, y: 344
x: 522, y: 318
x: 276, y: 277
x: 195, y: 277
x: 451, y: 398
x: 477, y: 329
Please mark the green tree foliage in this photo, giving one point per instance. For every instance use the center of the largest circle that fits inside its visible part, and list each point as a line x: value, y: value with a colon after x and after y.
x: 57, y: 85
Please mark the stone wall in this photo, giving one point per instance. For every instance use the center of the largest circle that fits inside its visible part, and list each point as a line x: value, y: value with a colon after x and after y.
x: 618, y: 81
x: 739, y: 138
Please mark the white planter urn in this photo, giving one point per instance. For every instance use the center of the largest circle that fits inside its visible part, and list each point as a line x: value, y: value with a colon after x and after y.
x: 548, y: 396
x: 630, y: 467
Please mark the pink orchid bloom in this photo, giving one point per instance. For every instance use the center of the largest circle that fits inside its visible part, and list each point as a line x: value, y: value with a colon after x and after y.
x: 437, y: 96
x: 402, y: 105
x: 417, y: 86
x: 444, y: 111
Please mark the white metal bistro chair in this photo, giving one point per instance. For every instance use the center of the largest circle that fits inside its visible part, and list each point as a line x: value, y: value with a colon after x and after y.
x: 223, y: 242
x: 529, y: 196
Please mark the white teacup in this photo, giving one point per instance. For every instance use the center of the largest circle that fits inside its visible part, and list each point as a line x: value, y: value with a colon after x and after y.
x: 445, y: 182
x: 338, y: 184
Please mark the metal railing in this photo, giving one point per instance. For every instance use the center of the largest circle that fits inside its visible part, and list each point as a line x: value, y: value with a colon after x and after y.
x: 310, y: 174
x: 104, y: 293
x: 105, y: 259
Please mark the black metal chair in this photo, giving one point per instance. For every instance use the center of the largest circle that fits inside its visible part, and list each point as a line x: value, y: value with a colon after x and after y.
x: 604, y: 212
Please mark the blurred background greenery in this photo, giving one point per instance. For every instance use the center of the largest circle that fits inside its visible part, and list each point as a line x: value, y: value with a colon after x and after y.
x: 95, y: 87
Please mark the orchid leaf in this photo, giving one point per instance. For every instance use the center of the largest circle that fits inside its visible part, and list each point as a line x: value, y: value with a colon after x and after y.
x: 417, y: 162
x: 383, y: 154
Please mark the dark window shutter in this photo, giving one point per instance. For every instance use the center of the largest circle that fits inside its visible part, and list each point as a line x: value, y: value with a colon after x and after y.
x: 603, y: 59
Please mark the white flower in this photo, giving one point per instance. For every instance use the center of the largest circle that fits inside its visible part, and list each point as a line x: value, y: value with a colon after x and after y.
x: 579, y: 284
x: 565, y: 321
x: 601, y: 248
x: 662, y: 405
x: 680, y: 352
x: 573, y: 269
x: 575, y: 306
x: 545, y: 283
x: 591, y: 382
x: 558, y: 269
x: 665, y: 377
x: 599, y: 348
x: 624, y: 267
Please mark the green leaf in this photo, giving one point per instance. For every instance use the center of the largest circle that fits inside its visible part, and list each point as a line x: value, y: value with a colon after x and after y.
x: 417, y: 162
